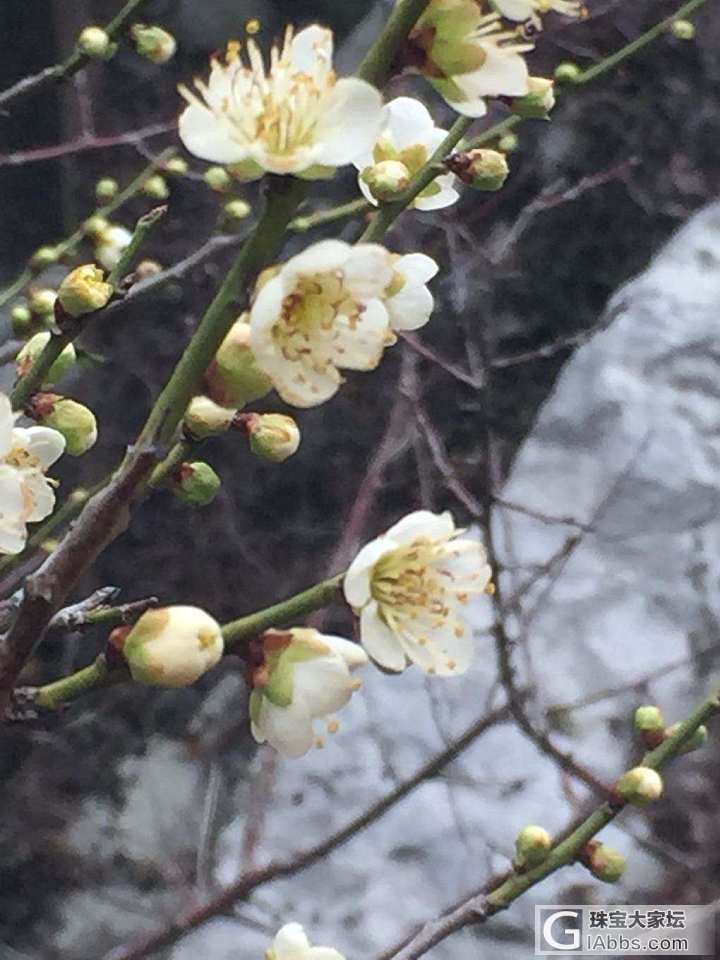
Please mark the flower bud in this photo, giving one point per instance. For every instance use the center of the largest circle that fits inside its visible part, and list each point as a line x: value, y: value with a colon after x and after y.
x: 605, y: 863
x: 532, y: 846
x: 237, y: 209
x: 649, y: 719
x: 84, y: 290
x: 683, y: 29
x: 233, y: 378
x: 177, y: 167
x: 640, y: 785
x: 111, y: 244
x: 218, y: 179
x: 94, y: 42
x: 21, y: 319
x: 42, y: 302
x: 697, y: 740
x: 567, y: 72
x: 156, y: 187
x: 386, y: 179
x: 106, y: 189
x: 95, y: 226
x: 32, y: 350
x: 205, y: 418
x: 537, y: 102
x: 196, y: 483
x: 44, y: 257
x: 147, y: 268
x: 508, y: 143
x: 481, y: 169
x: 73, y: 420
x: 273, y: 436
x: 173, y: 646
x: 153, y: 43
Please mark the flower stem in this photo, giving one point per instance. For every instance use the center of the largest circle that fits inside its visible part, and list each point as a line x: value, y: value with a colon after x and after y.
x: 53, y: 695
x: 380, y: 58
x: 320, y: 217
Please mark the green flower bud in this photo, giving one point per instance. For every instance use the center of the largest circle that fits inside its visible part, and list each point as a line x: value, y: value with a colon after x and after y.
x: 156, y: 187
x: 218, y: 179
x: 605, y: 863
x: 537, y: 102
x: 42, y: 302
x: 683, y: 29
x: 73, y: 420
x: 233, y: 378
x: 95, y: 226
x: 84, y: 290
x: 237, y: 209
x: 94, y: 42
x: 172, y: 646
x: 106, y: 189
x: 697, y: 740
x: 196, y: 483
x: 649, y: 719
x: 567, y: 72
x: 387, y: 179
x: 177, y: 167
x: 21, y: 319
x: 481, y: 169
x: 246, y: 171
x: 205, y: 418
x: 508, y: 143
x: 640, y: 785
x: 532, y: 846
x: 32, y: 350
x: 273, y: 436
x: 79, y: 496
x: 44, y: 257
x: 153, y: 43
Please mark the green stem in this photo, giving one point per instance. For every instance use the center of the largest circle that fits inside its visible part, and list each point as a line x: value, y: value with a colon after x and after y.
x: 142, y: 228
x: 379, y: 60
x: 53, y: 695
x: 165, y: 469
x: 321, y: 217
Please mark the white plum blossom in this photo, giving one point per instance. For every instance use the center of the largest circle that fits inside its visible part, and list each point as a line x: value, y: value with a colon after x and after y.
x: 298, y: 676
x: 26, y: 495
x: 521, y: 10
x: 295, y: 117
x: 332, y: 307
x: 410, y: 137
x: 291, y: 943
x: 111, y: 245
x: 468, y: 54
x: 410, y: 587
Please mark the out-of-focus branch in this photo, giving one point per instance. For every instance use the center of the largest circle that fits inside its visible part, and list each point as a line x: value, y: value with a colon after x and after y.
x: 132, y: 138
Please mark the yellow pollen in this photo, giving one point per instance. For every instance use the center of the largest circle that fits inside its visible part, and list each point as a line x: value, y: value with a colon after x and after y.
x: 451, y: 664
x: 491, y: 589
x: 319, y: 743
x: 252, y: 26
x: 333, y: 726
x: 355, y: 683
x: 206, y: 638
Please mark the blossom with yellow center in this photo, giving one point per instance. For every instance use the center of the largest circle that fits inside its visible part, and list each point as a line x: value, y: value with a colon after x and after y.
x: 26, y: 495
x: 294, y: 117
x: 409, y: 137
x: 410, y: 588
x: 291, y: 943
x: 531, y: 9
x: 467, y: 53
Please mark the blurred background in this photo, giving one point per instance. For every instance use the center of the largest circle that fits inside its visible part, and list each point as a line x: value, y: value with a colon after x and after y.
x: 135, y: 805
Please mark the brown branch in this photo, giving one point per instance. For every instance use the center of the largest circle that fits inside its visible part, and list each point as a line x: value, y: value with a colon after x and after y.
x: 84, y: 143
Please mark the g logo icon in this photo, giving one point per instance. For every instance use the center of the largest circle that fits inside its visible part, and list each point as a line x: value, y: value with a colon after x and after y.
x: 555, y: 931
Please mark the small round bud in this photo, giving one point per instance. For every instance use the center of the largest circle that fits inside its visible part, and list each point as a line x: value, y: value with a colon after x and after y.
x: 32, y: 350
x: 196, y: 483
x: 94, y: 42
x: 44, y: 257
x: 273, y: 436
x: 153, y: 43
x: 147, y: 268
x: 95, y: 226
x: 605, y: 863
x: 537, y: 102
x: 567, y: 72
x: 21, y: 319
x: 481, y: 169
x: 649, y: 718
x: 84, y: 290
x: 106, y: 189
x: 42, y: 302
x: 532, y: 846
x: 237, y: 209
x: 79, y: 496
x: 697, y: 740
x: 177, y: 167
x: 683, y: 29
x: 73, y: 420
x: 640, y: 785
x: 233, y: 378
x: 205, y: 418
x: 387, y: 179
x: 172, y: 646
x: 111, y: 244
x: 508, y: 143
x: 218, y: 179
x: 156, y: 187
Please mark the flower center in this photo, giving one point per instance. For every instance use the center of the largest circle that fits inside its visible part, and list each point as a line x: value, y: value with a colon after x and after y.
x: 22, y: 458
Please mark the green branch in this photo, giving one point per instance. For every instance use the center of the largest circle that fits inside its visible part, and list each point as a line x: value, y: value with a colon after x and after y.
x: 322, y: 217
x: 380, y: 59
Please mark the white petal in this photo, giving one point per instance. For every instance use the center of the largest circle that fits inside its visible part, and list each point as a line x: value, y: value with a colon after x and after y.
x: 325, y: 256
x: 287, y: 729
x: 379, y: 640
x: 302, y: 386
x: 364, y: 188
x: 290, y: 942
x: 411, y: 308
x: 350, y: 123
x: 503, y: 74
x: 44, y: 443
x: 321, y: 685
x: 359, y: 345
x: 12, y: 537
x: 446, y: 197
x: 465, y: 558
x: 310, y: 46
x: 515, y: 9
x: 408, y: 122
x: 417, y: 267
x: 422, y: 523
x: 446, y: 654
x: 41, y: 497
x: 368, y: 271
x: 352, y: 653
x: 7, y: 421
x: 207, y: 136
x: 356, y: 585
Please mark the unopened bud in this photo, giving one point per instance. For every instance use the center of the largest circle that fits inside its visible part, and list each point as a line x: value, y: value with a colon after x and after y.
x: 237, y: 209
x: 42, y: 302
x: 73, y: 420
x: 683, y: 29
x: 196, y: 483
x: 111, y: 244
x: 537, y: 102
x: 567, y: 72
x: 106, y: 189
x: 233, y: 378
x: 640, y: 785
x: 147, y: 268
x: 84, y: 290
x: 205, y: 418
x: 177, y: 167
x: 21, y: 319
x: 95, y: 226
x: 649, y: 718
x: 32, y: 350
x: 94, y: 42
x: 697, y: 740
x: 218, y: 179
x: 273, y: 436
x: 156, y: 187
x: 605, y: 863
x: 153, y: 43
x: 508, y: 143
x: 44, y: 257
x: 387, y: 179
x: 532, y: 846
x: 172, y: 646
x: 481, y: 169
